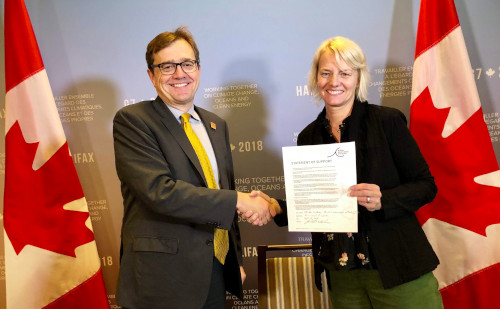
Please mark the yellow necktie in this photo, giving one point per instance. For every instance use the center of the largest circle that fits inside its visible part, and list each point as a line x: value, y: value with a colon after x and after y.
x: 221, y: 238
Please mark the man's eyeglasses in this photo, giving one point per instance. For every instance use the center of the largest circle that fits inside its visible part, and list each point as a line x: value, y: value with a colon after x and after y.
x: 169, y: 68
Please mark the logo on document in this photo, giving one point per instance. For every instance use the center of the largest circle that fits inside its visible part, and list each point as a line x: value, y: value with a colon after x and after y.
x: 339, y: 152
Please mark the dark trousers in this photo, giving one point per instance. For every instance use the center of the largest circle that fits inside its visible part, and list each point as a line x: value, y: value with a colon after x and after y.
x: 216, y: 298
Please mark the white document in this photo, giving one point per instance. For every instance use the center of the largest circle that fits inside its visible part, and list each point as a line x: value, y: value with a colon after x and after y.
x: 317, y: 179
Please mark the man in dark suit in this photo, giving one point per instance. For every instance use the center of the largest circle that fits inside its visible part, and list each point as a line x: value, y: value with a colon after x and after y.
x: 176, y: 196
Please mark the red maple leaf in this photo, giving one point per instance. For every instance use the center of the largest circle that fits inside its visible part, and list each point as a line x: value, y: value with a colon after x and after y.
x: 454, y: 162
x: 34, y: 200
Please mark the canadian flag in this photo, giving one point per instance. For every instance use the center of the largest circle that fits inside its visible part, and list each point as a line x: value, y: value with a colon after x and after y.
x: 446, y: 119
x: 51, y: 258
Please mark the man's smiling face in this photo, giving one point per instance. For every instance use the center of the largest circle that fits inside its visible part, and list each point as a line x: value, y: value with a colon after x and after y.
x: 178, y: 89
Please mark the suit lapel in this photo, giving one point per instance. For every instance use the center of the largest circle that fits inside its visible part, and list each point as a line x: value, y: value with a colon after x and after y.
x: 173, y: 126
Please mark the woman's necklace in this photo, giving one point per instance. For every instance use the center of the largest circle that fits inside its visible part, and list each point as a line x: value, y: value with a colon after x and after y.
x: 337, y: 128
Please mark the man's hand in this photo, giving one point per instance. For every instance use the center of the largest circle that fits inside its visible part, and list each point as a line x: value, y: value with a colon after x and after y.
x: 243, y: 275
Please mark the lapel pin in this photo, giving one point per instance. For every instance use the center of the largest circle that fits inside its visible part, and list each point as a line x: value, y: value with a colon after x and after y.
x: 213, y: 126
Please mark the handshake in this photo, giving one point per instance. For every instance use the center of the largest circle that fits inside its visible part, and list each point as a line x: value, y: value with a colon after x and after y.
x: 257, y: 207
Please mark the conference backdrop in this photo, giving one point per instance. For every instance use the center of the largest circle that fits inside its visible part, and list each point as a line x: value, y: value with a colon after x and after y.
x: 255, y: 57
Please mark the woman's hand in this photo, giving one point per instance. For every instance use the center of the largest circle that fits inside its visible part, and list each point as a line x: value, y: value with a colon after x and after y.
x: 274, y: 208
x: 368, y: 195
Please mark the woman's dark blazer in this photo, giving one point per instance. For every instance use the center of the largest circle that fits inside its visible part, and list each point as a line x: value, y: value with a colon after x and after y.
x: 386, y: 155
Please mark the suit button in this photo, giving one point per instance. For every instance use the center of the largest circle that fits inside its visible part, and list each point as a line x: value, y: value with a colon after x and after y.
x: 209, y: 242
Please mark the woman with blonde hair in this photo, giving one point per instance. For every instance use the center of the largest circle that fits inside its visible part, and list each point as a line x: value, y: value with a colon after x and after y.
x: 389, y: 262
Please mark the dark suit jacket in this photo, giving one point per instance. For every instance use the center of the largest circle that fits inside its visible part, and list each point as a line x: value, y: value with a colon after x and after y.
x: 169, y: 213
x: 386, y: 155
